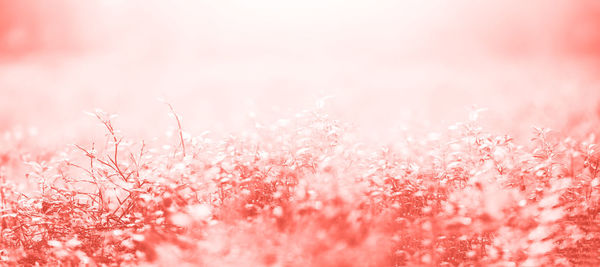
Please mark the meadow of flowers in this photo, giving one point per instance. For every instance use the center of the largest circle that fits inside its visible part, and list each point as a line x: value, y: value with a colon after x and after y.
x: 302, y: 191
x: 390, y: 172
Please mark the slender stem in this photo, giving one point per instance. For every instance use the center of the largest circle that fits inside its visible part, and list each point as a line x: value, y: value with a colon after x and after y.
x: 179, y: 127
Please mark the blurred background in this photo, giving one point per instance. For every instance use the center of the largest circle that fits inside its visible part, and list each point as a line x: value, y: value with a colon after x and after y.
x: 388, y: 65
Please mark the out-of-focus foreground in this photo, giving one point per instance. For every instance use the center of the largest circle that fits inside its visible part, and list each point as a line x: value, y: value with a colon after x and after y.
x: 251, y: 171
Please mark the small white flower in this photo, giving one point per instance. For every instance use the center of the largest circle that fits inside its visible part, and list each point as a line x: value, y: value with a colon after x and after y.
x: 54, y: 243
x: 278, y: 211
x: 73, y: 242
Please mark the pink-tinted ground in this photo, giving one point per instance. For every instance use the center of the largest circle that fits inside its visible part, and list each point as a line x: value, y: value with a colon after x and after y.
x: 395, y: 71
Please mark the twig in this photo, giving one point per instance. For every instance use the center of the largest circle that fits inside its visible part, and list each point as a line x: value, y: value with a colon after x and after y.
x: 179, y: 127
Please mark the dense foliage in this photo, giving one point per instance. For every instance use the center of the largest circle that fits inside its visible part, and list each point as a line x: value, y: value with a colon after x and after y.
x: 303, y: 192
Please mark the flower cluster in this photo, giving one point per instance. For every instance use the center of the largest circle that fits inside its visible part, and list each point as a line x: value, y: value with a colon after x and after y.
x: 305, y: 192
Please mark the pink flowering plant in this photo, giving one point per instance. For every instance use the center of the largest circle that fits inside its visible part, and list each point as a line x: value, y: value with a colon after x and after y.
x: 306, y: 191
